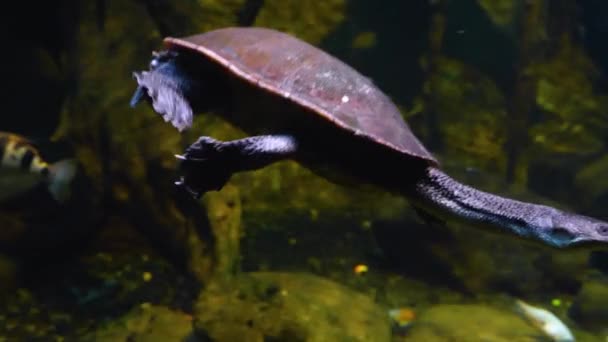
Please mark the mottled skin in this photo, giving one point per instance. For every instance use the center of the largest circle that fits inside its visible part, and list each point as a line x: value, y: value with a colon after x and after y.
x: 177, y: 86
x: 446, y: 197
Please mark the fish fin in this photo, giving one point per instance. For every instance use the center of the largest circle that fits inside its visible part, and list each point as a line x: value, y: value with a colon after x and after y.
x: 61, y: 174
x: 25, y: 139
x: 428, y: 218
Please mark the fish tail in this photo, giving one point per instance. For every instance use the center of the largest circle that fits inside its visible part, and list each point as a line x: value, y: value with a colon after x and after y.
x: 61, y: 174
x: 519, y: 305
x: 523, y: 310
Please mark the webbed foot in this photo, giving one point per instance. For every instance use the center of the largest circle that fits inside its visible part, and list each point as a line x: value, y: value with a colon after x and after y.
x: 203, y: 168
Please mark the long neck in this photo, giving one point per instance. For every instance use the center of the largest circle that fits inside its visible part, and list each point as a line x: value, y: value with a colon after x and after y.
x: 443, y: 196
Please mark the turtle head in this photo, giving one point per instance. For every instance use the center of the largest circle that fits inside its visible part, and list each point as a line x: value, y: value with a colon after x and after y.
x: 562, y: 229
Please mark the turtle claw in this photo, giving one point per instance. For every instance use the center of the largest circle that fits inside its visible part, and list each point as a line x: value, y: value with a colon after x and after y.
x: 187, y: 158
x: 202, y: 167
x: 181, y: 183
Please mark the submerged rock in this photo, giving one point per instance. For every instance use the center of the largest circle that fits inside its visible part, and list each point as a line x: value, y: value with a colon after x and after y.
x: 146, y: 323
x: 475, y: 322
x: 590, y: 307
x: 591, y: 182
x: 289, y: 307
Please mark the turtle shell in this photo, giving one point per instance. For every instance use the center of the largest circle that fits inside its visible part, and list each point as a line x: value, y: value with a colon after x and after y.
x: 302, y: 73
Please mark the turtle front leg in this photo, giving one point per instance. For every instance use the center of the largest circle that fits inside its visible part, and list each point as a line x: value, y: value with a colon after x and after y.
x: 208, y: 163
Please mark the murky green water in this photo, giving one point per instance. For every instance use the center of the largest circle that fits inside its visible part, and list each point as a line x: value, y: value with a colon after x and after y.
x: 509, y: 96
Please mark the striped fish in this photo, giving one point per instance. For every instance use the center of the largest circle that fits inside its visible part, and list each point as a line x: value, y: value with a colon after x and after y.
x: 22, y: 168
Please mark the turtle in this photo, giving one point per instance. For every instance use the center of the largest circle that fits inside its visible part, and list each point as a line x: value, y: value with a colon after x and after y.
x: 296, y: 101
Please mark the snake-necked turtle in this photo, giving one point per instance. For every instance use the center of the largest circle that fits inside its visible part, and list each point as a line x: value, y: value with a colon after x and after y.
x: 298, y: 102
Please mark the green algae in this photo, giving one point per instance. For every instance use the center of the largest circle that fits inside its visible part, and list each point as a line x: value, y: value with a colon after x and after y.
x: 364, y: 40
x: 290, y: 307
x: 483, y: 322
x: 573, y: 109
x: 502, y: 12
x: 90, y: 295
x: 307, y: 19
x: 591, y: 180
x: 472, y: 112
x: 224, y: 213
x: 145, y: 322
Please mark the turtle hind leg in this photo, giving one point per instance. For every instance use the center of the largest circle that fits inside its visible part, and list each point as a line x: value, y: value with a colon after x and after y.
x: 208, y: 163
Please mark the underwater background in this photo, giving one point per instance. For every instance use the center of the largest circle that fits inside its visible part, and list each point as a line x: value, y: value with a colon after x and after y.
x: 510, y: 96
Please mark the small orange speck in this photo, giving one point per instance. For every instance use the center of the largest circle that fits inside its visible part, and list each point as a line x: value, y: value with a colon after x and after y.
x: 406, y: 315
x: 360, y: 269
x: 402, y: 316
x: 147, y: 276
